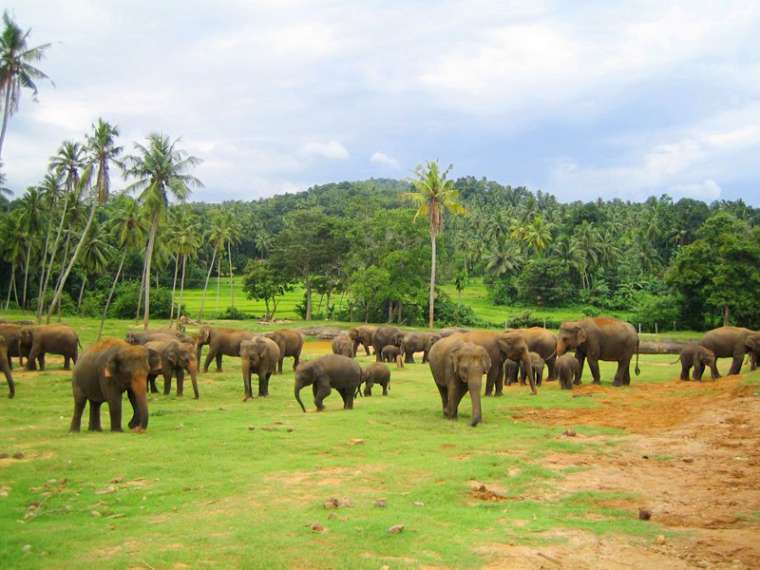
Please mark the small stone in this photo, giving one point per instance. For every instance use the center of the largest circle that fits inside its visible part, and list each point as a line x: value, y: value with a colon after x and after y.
x: 344, y: 502
x: 419, y: 504
x: 381, y: 504
x: 95, y: 513
x: 4, y: 456
x: 316, y: 527
x: 660, y: 539
x: 18, y: 455
x: 331, y: 503
x: 26, y: 548
x: 569, y: 433
x: 644, y: 514
x: 119, y: 479
x: 396, y: 529
x: 645, y: 457
x: 251, y: 428
x: 356, y: 441
x: 688, y: 460
x: 106, y: 490
x: 289, y: 430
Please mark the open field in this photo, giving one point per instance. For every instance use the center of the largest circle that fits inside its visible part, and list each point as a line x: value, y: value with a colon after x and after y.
x: 218, y: 482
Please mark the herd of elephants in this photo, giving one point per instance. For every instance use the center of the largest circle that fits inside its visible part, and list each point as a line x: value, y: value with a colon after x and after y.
x: 458, y: 360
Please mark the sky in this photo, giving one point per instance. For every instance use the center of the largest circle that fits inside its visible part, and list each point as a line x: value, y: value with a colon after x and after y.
x: 582, y: 99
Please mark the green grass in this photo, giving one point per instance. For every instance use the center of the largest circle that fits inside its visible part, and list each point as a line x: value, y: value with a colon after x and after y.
x: 218, y: 482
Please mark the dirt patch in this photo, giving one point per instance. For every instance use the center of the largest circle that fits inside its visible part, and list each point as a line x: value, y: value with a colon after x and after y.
x: 487, y: 492
x: 317, y: 348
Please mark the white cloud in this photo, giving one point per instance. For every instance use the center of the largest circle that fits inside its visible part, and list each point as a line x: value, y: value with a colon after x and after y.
x: 707, y: 190
x: 331, y: 149
x: 384, y: 160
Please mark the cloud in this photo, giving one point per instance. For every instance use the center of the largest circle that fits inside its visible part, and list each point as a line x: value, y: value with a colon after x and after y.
x: 384, y: 160
x: 332, y: 150
x: 707, y: 190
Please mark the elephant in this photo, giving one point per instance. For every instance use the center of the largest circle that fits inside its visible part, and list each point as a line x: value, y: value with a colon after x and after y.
x: 458, y: 366
x: 55, y: 339
x: 417, y: 342
x: 537, y: 365
x: 12, y: 334
x: 290, y: 343
x: 160, y: 334
x: 176, y: 358
x: 391, y: 353
x: 376, y: 373
x: 385, y: 336
x: 328, y: 372
x: 443, y: 333
x: 601, y: 338
x: 500, y: 346
x: 543, y: 342
x: 105, y: 371
x: 364, y: 336
x: 734, y: 343
x: 342, y: 344
x: 6, y: 367
x: 261, y: 356
x: 220, y: 342
x: 568, y: 370
x: 511, y: 371
x: 696, y: 355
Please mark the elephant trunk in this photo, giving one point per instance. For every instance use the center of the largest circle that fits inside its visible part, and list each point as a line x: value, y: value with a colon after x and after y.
x: 193, y: 369
x: 529, y: 368
x: 561, y: 348
x: 474, y: 387
x: 297, y: 393
x: 140, y: 389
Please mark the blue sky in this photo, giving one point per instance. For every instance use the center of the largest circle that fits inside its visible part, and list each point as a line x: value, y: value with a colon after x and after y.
x: 582, y: 99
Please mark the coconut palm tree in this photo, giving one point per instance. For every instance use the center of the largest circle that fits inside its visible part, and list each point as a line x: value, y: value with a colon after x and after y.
x: 186, y: 243
x: 536, y: 235
x: 434, y: 195
x: 216, y: 239
x: 95, y: 254
x: 127, y: 226
x: 160, y: 170
x: 32, y: 214
x: 16, y: 69
x: 13, y: 252
x: 102, y: 152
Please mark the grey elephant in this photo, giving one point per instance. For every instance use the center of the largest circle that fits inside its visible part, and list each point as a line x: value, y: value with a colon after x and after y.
x: 458, y: 367
x: 734, y: 343
x: 290, y: 343
x: 376, y: 373
x: 52, y: 339
x: 141, y: 337
x: 6, y: 367
x: 386, y: 336
x: 342, y: 344
x: 221, y: 342
x: 544, y: 343
x: 417, y: 342
x: 537, y: 365
x: 391, y: 353
x: 601, y: 338
x: 259, y: 356
x: 568, y: 370
x: 362, y: 336
x: 326, y: 373
x: 12, y: 334
x: 697, y: 356
x: 176, y: 359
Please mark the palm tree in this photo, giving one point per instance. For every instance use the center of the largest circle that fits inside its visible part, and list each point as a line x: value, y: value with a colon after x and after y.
x: 12, y: 249
x: 32, y: 209
x: 96, y: 252
x: 216, y: 239
x: 50, y: 187
x: 127, y: 226
x: 434, y: 195
x: 536, y: 235
x: 16, y: 69
x: 160, y: 169
x: 187, y: 241
x: 232, y: 235
x: 219, y: 236
x: 101, y: 151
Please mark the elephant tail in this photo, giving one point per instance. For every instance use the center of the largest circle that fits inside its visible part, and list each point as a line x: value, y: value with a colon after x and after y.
x: 637, y: 370
x: 297, y: 391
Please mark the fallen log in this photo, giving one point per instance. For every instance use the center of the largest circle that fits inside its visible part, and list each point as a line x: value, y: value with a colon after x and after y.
x: 661, y: 347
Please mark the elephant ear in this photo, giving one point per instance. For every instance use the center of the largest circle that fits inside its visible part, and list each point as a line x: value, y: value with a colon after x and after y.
x: 319, y: 373
x: 154, y: 360
x: 112, y: 368
x: 172, y: 355
x: 485, y: 361
x: 453, y: 358
x: 581, y: 335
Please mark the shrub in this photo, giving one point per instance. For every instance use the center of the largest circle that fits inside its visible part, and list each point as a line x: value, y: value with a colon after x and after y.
x: 663, y: 310
x: 68, y: 305
x: 124, y: 304
x: 233, y: 314
x: 545, y: 282
x: 527, y: 319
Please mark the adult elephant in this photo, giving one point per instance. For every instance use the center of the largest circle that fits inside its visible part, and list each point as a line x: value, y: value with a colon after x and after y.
x: 601, y: 338
x: 143, y: 337
x: 290, y: 343
x: 53, y: 339
x: 107, y: 370
x: 176, y: 359
x: 342, y: 344
x: 12, y: 334
x: 499, y: 346
x: 328, y: 372
x: 544, y: 343
x: 221, y: 342
x: 458, y: 367
x: 734, y: 343
x: 417, y: 342
x: 6, y: 367
x: 363, y: 335
x: 259, y: 356
x: 385, y: 336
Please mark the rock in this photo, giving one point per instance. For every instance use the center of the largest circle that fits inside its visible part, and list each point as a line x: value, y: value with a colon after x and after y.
x: 26, y: 548
x: 396, y: 529
x: 356, y: 441
x: 331, y: 503
x: 95, y: 513
x: 644, y: 514
x: 18, y: 455
x: 316, y: 527
x: 119, y: 479
x: 419, y: 504
x: 660, y: 539
x: 106, y: 490
x: 251, y: 428
x: 569, y: 433
x: 688, y: 460
x: 381, y: 504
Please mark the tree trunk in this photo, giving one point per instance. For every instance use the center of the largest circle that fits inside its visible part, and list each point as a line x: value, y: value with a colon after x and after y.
x: 43, y: 289
x: 390, y: 312
x: 26, y: 272
x: 10, y: 286
x: 148, y: 259
x: 366, y: 313
x: 182, y: 287
x: 72, y: 261
x: 205, y: 285
x: 6, y: 115
x: 431, y: 310
x: 174, y: 289
x: 110, y: 294
x: 725, y: 316
x: 274, y: 308
x: 398, y: 314
x: 44, y: 258
x: 81, y: 293
x: 308, y: 300
x: 140, y: 293
x: 219, y: 282
x: 232, y: 285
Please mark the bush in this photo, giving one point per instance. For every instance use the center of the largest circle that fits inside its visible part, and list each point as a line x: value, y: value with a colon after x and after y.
x: 449, y: 313
x: 663, y: 310
x: 234, y: 314
x: 68, y: 305
x: 124, y: 304
x: 502, y: 292
x: 545, y: 282
x: 92, y: 305
x: 589, y: 311
x: 527, y: 319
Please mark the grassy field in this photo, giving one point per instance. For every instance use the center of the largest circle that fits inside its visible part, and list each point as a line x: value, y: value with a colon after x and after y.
x: 219, y: 482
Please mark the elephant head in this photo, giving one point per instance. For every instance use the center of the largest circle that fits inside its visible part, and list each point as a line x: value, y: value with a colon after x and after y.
x: 706, y: 357
x: 307, y: 373
x: 752, y: 343
x: 26, y: 336
x: 128, y: 369
x: 469, y: 362
x: 204, y: 335
x: 571, y: 336
x: 353, y: 334
x: 513, y: 346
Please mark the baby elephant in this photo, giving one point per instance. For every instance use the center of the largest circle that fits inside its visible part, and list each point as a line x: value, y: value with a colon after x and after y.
x: 259, y: 356
x: 568, y: 370
x: 5, y: 367
x: 376, y: 373
x: 328, y: 372
x: 536, y: 368
x: 342, y: 344
x: 390, y: 353
x: 697, y: 356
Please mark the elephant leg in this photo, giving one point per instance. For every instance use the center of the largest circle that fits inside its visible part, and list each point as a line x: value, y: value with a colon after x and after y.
x: 551, y: 369
x: 152, y: 383
x: 456, y: 393
x: 114, y: 410
x: 135, y: 420
x: 209, y: 357
x: 424, y: 357
x: 698, y: 370
x: 66, y: 365
x: 408, y: 357
x: 321, y: 391
x: 386, y: 387
x: 279, y: 365
x: 685, y: 368
x: 263, y: 385
x: 736, y: 365
x: 444, y: 392
x: 95, y: 416
x: 31, y: 360
x: 296, y: 360
x: 180, y: 382
x: 41, y: 360
x: 167, y: 382
x: 368, y: 388
x: 623, y: 365
x: 581, y: 358
x: 348, y: 399
x: 498, y: 379
x: 247, y: 390
x: 219, y: 362
x: 366, y: 349
x: 593, y: 365
x: 627, y: 372
x: 76, y: 418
